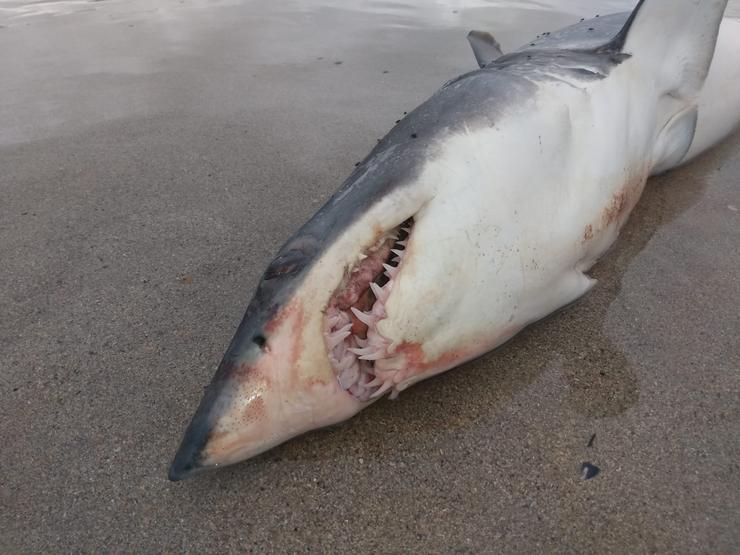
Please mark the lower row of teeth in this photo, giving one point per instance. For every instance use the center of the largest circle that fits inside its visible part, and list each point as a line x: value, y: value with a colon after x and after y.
x: 355, y: 358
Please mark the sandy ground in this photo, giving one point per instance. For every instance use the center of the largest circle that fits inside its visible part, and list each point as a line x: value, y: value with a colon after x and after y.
x: 152, y: 161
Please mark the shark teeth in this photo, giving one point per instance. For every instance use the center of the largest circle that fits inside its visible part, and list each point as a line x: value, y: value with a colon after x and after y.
x: 362, y: 360
x: 338, y: 336
x: 376, y: 355
x: 347, y: 362
x: 381, y: 293
x: 362, y: 352
x: 349, y: 377
x: 382, y: 389
x: 363, y: 317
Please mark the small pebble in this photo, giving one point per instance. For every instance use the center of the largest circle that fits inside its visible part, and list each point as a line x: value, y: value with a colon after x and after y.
x: 589, y: 470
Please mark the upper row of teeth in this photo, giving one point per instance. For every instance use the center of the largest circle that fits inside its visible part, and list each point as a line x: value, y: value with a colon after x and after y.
x: 347, y: 359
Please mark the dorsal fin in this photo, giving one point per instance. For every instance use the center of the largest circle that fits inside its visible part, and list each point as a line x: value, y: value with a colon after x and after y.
x: 485, y: 47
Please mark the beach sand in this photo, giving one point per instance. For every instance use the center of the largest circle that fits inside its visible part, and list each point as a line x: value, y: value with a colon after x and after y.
x: 151, y: 163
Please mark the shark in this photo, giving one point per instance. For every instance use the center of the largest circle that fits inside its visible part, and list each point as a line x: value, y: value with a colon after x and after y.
x: 477, y: 215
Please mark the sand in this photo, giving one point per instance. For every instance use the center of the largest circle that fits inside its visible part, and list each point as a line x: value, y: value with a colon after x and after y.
x: 153, y: 160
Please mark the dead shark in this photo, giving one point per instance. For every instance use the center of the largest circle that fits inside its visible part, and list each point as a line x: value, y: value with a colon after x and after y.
x: 477, y: 215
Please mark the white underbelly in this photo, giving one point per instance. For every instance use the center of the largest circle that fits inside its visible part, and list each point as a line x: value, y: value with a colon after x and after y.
x: 520, y: 212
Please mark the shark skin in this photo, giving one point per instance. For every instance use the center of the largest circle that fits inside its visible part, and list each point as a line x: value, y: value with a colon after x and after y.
x: 719, y: 99
x: 477, y: 215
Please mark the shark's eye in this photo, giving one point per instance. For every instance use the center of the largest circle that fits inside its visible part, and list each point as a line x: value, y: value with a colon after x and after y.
x: 354, y: 344
x: 285, y: 265
x: 260, y: 341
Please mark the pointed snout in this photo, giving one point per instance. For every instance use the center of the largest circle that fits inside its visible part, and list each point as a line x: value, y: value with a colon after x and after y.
x: 264, y: 393
x: 240, y: 416
x: 192, y: 457
x: 186, y: 462
x: 255, y: 408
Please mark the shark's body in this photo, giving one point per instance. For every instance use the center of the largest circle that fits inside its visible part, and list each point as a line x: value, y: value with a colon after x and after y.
x: 719, y: 98
x: 496, y: 195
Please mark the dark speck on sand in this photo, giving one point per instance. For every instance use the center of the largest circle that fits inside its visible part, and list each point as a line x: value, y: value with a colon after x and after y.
x: 109, y: 134
x: 589, y: 470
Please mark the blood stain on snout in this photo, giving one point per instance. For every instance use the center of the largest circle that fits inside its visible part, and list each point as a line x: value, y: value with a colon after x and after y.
x: 287, y: 327
x: 254, y: 411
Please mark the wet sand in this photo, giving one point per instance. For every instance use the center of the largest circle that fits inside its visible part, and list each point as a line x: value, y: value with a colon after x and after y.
x: 152, y: 161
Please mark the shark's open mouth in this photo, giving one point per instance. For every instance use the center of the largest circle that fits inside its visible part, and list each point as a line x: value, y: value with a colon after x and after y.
x: 357, y: 351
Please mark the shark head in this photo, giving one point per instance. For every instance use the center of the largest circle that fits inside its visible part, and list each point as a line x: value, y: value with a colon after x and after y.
x: 304, y: 355
x: 356, y: 304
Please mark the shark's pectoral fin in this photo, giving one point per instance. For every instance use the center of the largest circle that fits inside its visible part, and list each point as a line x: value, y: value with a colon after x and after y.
x: 485, y: 47
x: 674, y: 140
